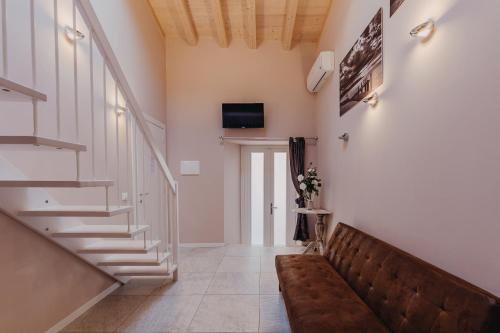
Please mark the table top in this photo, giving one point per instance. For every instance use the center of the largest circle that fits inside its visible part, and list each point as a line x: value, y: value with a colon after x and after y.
x: 311, y: 211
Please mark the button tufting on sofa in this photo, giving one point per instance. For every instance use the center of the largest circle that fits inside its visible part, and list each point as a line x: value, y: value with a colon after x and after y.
x: 331, y: 296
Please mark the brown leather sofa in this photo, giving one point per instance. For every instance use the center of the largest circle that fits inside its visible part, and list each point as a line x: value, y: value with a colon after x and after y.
x: 362, y: 284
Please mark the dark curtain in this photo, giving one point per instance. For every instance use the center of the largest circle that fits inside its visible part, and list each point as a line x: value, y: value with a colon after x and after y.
x: 297, y: 148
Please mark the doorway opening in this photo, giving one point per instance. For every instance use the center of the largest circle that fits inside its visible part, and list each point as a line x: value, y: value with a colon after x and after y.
x: 266, y: 193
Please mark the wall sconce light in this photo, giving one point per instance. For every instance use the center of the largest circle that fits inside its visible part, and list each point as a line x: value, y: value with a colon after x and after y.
x: 120, y: 110
x: 73, y: 34
x: 371, y: 100
x: 424, y: 30
x: 344, y: 137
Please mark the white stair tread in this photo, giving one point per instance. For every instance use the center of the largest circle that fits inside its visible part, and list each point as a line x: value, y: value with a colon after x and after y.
x: 13, y: 91
x: 29, y: 140
x: 77, y: 211
x: 120, y: 246
x: 162, y: 270
x: 55, y: 183
x: 137, y: 260
x: 100, y: 231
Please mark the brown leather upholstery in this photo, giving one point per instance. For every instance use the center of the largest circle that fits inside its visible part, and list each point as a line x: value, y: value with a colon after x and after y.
x: 403, y: 292
x: 318, y: 300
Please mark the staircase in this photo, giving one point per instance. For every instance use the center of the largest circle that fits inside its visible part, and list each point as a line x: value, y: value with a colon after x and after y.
x: 110, y: 198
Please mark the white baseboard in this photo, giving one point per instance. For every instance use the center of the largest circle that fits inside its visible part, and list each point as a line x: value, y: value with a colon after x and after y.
x: 78, y: 312
x: 201, y: 244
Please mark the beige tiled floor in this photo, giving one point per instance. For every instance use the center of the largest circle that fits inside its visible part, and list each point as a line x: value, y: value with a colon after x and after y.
x: 224, y: 289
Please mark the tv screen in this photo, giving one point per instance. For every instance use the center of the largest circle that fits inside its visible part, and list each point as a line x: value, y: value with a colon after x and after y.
x: 243, y: 115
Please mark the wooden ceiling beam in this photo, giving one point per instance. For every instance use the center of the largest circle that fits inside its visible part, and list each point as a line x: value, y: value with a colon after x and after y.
x: 250, y: 23
x: 218, y: 19
x: 186, y: 22
x: 289, y: 25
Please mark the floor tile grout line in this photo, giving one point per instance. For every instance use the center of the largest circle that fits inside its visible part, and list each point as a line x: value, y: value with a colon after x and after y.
x: 202, y: 297
x: 195, y: 312
x: 131, y: 313
x: 205, y: 293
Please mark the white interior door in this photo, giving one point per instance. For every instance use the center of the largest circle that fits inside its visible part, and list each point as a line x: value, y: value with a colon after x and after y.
x: 266, y: 196
x: 159, y: 135
x: 146, y: 174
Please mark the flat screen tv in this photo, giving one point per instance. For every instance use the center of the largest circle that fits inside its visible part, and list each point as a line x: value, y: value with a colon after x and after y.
x: 243, y: 115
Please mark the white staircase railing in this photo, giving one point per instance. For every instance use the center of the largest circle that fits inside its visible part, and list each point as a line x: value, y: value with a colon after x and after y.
x: 171, y: 196
x: 110, y: 140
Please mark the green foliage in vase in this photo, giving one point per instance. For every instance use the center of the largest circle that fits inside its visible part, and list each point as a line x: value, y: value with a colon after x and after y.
x: 310, y: 183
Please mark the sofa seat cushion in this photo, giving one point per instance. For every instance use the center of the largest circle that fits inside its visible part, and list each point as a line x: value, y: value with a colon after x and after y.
x: 318, y: 300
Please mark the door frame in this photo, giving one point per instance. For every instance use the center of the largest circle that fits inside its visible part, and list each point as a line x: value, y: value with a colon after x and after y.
x: 141, y: 154
x: 155, y: 122
x: 245, y: 212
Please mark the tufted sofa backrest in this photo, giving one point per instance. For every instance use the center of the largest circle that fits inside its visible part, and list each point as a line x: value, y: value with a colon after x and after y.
x: 406, y: 293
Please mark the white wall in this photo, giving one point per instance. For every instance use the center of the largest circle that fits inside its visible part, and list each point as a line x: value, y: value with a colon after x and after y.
x: 421, y: 170
x: 199, y: 80
x: 40, y: 283
x: 138, y: 43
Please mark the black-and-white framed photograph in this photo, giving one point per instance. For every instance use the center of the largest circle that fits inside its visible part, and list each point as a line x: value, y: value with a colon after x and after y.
x: 395, y: 5
x: 361, y: 71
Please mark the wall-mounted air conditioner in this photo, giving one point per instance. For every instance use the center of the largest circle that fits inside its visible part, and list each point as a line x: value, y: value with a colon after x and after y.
x: 322, y: 68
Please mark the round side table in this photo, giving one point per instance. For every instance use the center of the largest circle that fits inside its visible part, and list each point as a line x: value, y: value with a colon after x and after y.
x: 318, y: 245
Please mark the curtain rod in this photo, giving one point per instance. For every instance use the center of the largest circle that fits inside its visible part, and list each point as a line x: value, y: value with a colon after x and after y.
x: 242, y: 138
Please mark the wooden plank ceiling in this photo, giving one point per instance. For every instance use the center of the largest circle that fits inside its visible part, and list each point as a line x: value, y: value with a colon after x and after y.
x: 288, y: 21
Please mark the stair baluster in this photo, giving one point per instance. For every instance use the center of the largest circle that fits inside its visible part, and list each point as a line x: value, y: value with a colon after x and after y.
x: 152, y: 187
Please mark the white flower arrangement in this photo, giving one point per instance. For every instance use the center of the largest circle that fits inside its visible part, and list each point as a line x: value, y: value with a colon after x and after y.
x: 309, y: 183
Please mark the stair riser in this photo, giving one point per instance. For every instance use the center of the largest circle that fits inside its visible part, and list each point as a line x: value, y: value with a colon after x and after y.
x: 53, y: 183
x: 128, y: 264
x: 70, y: 214
x: 139, y: 274
x: 129, y: 236
x: 37, y: 143
x: 138, y: 249
x: 113, y: 251
x: 170, y: 272
x: 17, y: 92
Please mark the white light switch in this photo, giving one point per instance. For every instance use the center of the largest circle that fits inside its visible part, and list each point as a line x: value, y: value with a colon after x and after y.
x: 190, y: 168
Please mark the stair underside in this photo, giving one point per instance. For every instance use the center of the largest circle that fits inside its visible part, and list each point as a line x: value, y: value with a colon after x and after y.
x: 138, y: 260
x: 56, y: 183
x: 16, y: 142
x: 162, y: 270
x: 100, y: 231
x: 16, y: 92
x: 119, y: 247
x: 76, y: 211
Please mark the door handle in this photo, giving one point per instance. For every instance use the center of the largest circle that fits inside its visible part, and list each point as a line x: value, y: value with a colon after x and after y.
x: 272, y: 208
x: 142, y: 195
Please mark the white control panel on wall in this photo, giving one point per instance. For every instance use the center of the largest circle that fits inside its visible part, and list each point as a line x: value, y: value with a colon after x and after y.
x: 190, y: 168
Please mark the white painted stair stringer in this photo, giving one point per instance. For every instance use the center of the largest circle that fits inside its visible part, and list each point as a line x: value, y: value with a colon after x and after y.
x: 12, y: 200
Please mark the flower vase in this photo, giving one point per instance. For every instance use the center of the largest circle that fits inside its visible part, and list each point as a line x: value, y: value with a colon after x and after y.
x: 309, y: 204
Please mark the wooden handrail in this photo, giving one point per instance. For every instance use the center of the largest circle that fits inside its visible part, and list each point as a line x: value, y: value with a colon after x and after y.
x: 102, y: 42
